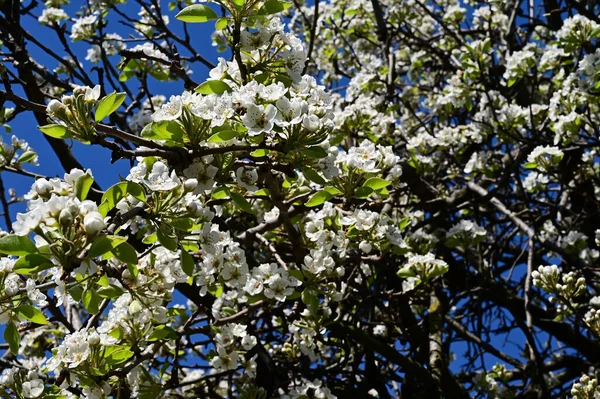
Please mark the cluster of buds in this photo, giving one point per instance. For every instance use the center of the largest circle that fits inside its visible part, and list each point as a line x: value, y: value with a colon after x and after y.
x: 71, y: 115
x: 586, y: 388
x: 549, y: 279
x: 421, y: 269
x: 592, y: 319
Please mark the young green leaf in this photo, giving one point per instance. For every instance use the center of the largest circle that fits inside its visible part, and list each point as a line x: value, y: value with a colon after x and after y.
x: 108, y: 105
x: 31, y: 313
x: 363, y: 192
x: 119, y: 191
x: 162, y: 332
x: 187, y: 263
x: 32, y: 263
x: 91, y: 301
x: 213, y: 87
x: 314, y: 152
x: 119, y: 356
x: 221, y: 136
x: 167, y: 240
x: 110, y: 292
x: 12, y: 337
x: 83, y: 185
x: 241, y: 202
x: 17, y: 245
x: 312, y: 175
x: 196, y: 13
x: 273, y: 7
x: 376, y: 183
x: 55, y: 130
x: 221, y: 23
x: 318, y: 198
x: 104, y: 244
x: 125, y: 253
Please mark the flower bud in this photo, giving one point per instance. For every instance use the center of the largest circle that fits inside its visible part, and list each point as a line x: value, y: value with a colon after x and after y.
x: 67, y: 100
x: 79, y: 91
x: 42, y: 187
x: 190, y: 185
x: 126, y: 275
x: 65, y: 218
x: 192, y: 207
x: 54, y: 107
x: 94, y: 339
x: 365, y: 247
x: 93, y: 223
x: 135, y: 307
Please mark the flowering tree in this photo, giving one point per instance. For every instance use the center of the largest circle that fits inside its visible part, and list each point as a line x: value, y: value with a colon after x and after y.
x: 365, y: 198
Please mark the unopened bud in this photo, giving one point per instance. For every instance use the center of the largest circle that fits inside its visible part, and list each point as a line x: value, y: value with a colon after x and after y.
x: 190, y: 185
x: 65, y: 218
x: 54, y: 107
x: 192, y: 207
x: 135, y: 307
x: 94, y: 339
x: 93, y: 223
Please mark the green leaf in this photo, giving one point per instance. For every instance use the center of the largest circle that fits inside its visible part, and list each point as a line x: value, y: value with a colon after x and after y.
x: 31, y: 313
x: 119, y: 356
x: 273, y: 7
x: 312, y: 175
x: 167, y: 240
x: 216, y: 290
x: 311, y: 301
x: 12, y: 337
x: 32, y: 263
x: 224, y: 135
x: 260, y: 153
x: 17, y: 245
x: 151, y: 239
x: 297, y: 274
x: 213, y: 87
x: 318, y: 198
x: 110, y: 292
x: 83, y: 185
x: 164, y: 130
x: 119, y: 191
x: 162, y: 332
x: 104, y: 244
x: 263, y: 192
x: 91, y: 301
x: 241, y: 202
x: 221, y: 23
x: 196, y: 13
x: 220, y: 193
x: 332, y: 190
x: 126, y: 253
x: 108, y: 105
x: 55, y: 130
x: 103, y: 281
x: 183, y: 224
x: 187, y: 263
x: 406, y: 272
x: 117, y: 333
x: 363, y: 192
x: 27, y: 156
x: 376, y: 183
x: 314, y: 152
x: 511, y: 82
x: 239, y: 3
